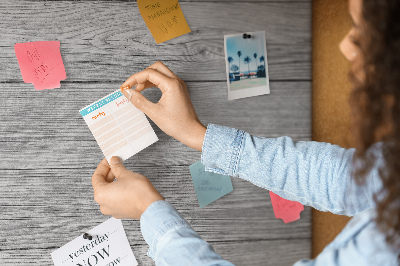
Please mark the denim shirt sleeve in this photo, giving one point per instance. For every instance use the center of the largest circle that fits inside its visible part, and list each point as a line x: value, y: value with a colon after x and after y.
x: 172, y: 241
x: 313, y: 173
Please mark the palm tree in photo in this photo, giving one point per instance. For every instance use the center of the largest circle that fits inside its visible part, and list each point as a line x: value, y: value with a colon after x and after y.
x: 255, y: 58
x: 247, y: 60
x: 230, y: 60
x: 234, y: 68
x: 239, y: 55
x: 262, y: 59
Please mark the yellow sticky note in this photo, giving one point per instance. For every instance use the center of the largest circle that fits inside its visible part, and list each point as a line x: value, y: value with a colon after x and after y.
x: 164, y: 18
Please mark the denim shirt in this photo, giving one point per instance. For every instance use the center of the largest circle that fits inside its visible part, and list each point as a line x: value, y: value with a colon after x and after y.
x: 312, y: 173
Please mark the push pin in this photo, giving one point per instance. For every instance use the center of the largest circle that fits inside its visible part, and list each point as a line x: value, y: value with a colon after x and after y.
x: 246, y: 36
x: 87, y: 236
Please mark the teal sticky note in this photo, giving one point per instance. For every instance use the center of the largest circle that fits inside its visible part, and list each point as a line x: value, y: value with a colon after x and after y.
x: 209, y: 186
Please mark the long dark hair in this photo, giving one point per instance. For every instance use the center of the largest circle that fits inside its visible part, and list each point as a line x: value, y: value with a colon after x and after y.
x: 375, y: 102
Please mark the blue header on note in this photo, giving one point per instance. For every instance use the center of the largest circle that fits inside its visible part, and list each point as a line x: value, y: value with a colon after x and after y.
x: 101, y: 103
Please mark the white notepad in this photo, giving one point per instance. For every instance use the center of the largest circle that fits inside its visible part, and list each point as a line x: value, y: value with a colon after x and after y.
x: 118, y: 126
x: 108, y: 246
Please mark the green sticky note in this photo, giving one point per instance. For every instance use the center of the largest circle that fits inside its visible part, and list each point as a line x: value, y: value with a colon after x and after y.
x: 209, y: 186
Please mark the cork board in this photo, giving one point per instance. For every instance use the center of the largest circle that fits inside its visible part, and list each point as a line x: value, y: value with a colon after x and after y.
x: 330, y: 103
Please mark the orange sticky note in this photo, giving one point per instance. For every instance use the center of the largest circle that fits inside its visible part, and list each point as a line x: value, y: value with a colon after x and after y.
x: 164, y: 18
x: 287, y: 210
x: 41, y: 64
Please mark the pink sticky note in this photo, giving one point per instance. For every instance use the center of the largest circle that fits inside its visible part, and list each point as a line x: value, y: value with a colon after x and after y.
x: 288, y: 211
x: 41, y: 64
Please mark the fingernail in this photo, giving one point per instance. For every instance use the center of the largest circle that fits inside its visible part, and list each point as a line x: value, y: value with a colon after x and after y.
x: 124, y: 88
x: 129, y: 92
x: 115, y: 160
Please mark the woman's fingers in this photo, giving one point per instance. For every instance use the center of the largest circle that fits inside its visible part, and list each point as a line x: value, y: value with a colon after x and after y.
x: 157, y: 66
x: 140, y: 102
x: 100, y: 175
x: 159, y: 80
x: 142, y: 86
x: 160, y: 67
x: 110, y: 177
x: 146, y: 79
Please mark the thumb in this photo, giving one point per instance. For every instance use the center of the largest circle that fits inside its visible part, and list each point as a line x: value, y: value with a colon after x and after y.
x: 138, y: 100
x: 99, y: 176
x: 117, y: 167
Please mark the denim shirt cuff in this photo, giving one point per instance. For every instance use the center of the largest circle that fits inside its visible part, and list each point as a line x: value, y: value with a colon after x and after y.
x: 222, y: 148
x: 159, y: 219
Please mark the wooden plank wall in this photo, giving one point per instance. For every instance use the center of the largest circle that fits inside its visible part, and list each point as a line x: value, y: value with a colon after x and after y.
x: 48, y: 153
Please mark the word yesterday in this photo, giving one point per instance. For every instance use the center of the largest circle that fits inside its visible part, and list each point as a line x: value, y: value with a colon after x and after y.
x: 89, y: 246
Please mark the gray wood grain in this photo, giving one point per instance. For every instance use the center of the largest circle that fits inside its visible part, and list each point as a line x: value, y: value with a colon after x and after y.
x: 96, y: 39
x: 240, y: 253
x: 48, y: 153
x: 53, y: 129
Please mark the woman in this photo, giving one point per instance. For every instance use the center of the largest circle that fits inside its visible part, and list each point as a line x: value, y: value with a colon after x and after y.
x: 320, y: 175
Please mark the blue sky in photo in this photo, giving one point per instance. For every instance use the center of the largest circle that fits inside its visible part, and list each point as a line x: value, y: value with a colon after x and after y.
x: 248, y: 47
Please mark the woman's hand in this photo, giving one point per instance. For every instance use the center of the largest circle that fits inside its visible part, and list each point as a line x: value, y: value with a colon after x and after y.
x: 174, y: 113
x: 127, y: 197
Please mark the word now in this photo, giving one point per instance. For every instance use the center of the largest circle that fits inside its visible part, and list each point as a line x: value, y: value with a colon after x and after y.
x: 93, y: 259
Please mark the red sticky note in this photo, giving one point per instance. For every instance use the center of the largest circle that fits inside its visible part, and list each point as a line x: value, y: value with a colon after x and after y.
x: 288, y: 211
x: 41, y: 63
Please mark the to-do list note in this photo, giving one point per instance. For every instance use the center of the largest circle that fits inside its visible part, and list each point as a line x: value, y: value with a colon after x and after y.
x: 118, y: 126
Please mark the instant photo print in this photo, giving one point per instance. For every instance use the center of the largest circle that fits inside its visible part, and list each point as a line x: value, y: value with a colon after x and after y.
x: 246, y: 65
